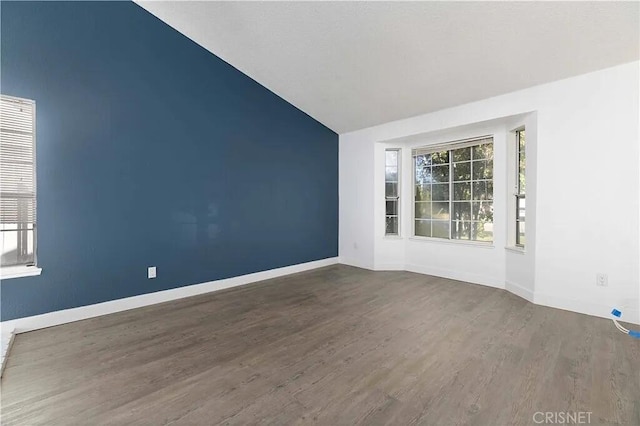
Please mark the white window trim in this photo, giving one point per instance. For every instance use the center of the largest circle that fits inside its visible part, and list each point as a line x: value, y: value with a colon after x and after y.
x: 482, y: 244
x: 516, y: 249
x: 19, y: 271
x: 393, y: 236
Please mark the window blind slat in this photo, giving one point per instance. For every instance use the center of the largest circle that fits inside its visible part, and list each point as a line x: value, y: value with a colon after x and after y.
x: 16, y: 139
x: 16, y: 115
x: 17, y: 171
x: 17, y: 210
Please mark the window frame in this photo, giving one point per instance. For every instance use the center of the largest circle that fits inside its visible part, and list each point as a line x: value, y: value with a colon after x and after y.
x: 395, y: 199
x: 450, y: 146
x: 519, y: 193
x: 29, y: 268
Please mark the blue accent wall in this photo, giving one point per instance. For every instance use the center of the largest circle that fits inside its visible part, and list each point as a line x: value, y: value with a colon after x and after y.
x: 151, y: 151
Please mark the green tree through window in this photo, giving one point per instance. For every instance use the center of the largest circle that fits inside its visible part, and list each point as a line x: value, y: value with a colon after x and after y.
x: 453, y: 194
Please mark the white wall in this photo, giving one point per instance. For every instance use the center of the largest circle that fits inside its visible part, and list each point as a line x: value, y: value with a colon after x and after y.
x: 584, y: 178
x: 355, y: 192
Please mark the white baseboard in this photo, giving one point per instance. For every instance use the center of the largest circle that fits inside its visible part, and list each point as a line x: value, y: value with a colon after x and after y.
x: 601, y: 310
x: 518, y: 290
x: 354, y: 262
x: 630, y: 315
x: 51, y: 319
x: 455, y: 275
x: 389, y: 267
x: 7, y: 341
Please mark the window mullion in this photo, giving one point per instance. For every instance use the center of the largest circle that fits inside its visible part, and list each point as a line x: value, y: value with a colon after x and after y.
x: 450, y: 194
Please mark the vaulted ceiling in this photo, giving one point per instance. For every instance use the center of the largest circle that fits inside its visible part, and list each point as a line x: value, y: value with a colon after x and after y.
x: 352, y: 65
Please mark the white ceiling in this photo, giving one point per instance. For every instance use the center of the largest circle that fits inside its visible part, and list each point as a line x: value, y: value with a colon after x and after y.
x: 352, y: 65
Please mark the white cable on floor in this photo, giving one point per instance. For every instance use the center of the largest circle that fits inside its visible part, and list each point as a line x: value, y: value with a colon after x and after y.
x: 617, y: 314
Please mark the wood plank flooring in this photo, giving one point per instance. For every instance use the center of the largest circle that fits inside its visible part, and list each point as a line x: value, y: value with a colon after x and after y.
x: 333, y: 346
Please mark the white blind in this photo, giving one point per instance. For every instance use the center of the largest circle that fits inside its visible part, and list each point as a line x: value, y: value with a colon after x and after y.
x: 17, y: 161
x: 452, y: 145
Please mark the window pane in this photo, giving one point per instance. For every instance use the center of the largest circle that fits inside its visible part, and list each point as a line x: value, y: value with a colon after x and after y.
x: 461, y: 171
x: 440, y: 173
x: 520, y: 208
x: 391, y: 190
x: 440, y: 192
x: 522, y: 162
x: 440, y: 210
x: 479, y: 190
x: 391, y: 157
x: 482, y: 211
x: 482, y: 169
x: 461, y: 210
x: 441, y: 157
x: 423, y: 160
x: 423, y: 192
x: 482, y: 231
x: 483, y: 190
x: 17, y: 244
x: 462, y: 154
x: 392, y: 208
x: 423, y: 175
x: 484, y: 151
x: 440, y: 229
x: 423, y: 210
x: 392, y: 225
x: 460, y: 230
x: 520, y: 237
x: 391, y: 174
x: 461, y: 191
x: 423, y: 228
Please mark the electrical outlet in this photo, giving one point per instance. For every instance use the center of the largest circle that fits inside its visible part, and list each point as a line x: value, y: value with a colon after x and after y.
x: 602, y: 280
x: 151, y: 272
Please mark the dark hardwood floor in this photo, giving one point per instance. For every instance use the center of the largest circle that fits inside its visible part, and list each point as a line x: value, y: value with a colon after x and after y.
x: 333, y: 346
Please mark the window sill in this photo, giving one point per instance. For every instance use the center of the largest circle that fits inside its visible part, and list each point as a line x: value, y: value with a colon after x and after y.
x: 19, y: 272
x: 393, y: 237
x: 515, y: 249
x: 479, y: 244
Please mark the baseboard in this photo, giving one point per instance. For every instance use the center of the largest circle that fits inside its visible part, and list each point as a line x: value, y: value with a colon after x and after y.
x: 389, y: 267
x: 455, y: 275
x: 518, y: 290
x: 601, y: 310
x: 7, y: 342
x: 357, y: 263
x: 51, y: 319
